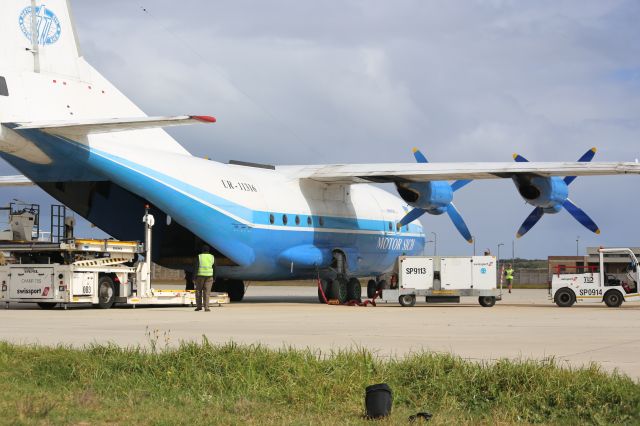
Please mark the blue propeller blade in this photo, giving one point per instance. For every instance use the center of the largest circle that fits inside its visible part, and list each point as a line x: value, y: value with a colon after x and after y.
x: 420, y: 158
x: 459, y: 184
x: 581, y: 216
x: 459, y: 222
x: 586, y: 157
x: 411, y: 216
x: 531, y: 220
x: 519, y: 158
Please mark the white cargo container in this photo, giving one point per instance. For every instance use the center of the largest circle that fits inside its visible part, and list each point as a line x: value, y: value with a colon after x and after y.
x: 444, y: 279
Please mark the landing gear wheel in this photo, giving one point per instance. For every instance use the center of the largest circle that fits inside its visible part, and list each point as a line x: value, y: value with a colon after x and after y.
x: 383, y: 284
x: 613, y: 299
x: 324, y: 284
x: 47, y: 305
x: 407, y: 300
x: 221, y: 286
x: 235, y: 290
x: 338, y: 290
x: 354, y: 289
x: 487, y: 301
x: 372, y: 287
x: 565, y: 298
x: 106, y: 292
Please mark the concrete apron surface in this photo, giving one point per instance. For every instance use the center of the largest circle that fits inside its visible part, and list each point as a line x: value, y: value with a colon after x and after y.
x: 524, y: 325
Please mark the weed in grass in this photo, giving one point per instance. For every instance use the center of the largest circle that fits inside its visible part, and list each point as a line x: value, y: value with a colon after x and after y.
x: 34, y: 408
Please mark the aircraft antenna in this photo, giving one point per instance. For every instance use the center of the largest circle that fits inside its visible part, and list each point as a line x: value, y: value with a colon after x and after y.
x: 35, y: 47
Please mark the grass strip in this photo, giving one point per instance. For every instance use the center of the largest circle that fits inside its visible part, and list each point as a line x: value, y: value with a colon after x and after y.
x: 201, y: 383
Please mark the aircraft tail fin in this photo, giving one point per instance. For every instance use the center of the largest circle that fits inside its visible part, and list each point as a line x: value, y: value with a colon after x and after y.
x: 38, y: 36
x: 45, y: 80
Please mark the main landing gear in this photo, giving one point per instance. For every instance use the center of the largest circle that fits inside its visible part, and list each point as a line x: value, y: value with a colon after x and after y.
x: 341, y: 289
x: 346, y: 290
x: 234, y: 288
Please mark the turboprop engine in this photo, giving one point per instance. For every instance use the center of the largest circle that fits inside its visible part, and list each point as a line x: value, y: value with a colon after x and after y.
x: 433, y: 197
x: 550, y: 195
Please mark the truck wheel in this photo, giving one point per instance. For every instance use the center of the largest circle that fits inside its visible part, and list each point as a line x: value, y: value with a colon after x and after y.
x: 565, y: 298
x: 338, y: 290
x: 354, y: 289
x: 487, y: 301
x: 407, y: 300
x: 372, y: 287
x: 47, y: 305
x: 235, y: 290
x: 613, y: 298
x: 324, y: 284
x: 106, y: 292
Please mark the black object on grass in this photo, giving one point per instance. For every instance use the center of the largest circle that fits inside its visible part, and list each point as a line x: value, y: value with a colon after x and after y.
x: 378, y: 400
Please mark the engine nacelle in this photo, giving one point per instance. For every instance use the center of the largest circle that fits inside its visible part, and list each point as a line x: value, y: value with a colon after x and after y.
x: 549, y: 193
x: 434, y: 197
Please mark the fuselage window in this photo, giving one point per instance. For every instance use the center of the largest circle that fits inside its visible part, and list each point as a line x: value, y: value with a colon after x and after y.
x: 309, y: 220
x: 4, y: 90
x: 284, y: 219
x: 321, y: 220
x: 390, y: 227
x: 297, y: 220
x: 272, y: 219
x: 398, y: 227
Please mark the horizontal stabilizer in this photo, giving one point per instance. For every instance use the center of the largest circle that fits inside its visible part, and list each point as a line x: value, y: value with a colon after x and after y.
x: 17, y: 180
x: 89, y: 127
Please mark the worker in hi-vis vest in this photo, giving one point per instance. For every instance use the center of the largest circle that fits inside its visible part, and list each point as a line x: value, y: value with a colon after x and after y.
x: 508, y: 273
x: 204, y: 278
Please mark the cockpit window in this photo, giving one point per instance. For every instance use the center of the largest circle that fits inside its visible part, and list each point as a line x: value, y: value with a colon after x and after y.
x: 4, y: 90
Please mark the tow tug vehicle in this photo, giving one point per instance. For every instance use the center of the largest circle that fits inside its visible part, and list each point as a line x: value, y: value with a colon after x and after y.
x: 593, y: 284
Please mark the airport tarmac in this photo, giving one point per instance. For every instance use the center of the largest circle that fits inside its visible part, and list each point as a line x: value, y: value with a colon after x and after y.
x: 524, y: 325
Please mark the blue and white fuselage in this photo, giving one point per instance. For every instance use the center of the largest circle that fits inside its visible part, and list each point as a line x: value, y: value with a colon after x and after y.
x: 269, y: 225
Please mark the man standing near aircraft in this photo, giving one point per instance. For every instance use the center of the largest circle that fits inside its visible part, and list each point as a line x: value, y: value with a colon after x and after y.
x: 509, y: 276
x: 204, y: 278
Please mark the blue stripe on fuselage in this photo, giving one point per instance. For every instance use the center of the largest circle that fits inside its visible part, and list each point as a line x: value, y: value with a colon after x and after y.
x: 255, y: 249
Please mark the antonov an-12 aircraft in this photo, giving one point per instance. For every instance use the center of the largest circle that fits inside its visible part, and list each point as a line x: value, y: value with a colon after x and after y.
x: 72, y: 133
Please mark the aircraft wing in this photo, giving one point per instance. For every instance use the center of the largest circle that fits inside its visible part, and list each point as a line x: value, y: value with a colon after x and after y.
x: 88, y: 127
x: 423, y: 172
x: 16, y: 180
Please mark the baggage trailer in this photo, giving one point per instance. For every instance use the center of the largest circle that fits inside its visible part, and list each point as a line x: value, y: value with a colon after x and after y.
x: 444, y: 279
x: 594, y: 285
x: 99, y: 272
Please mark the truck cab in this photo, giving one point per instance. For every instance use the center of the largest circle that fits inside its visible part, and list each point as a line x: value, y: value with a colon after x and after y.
x: 598, y: 283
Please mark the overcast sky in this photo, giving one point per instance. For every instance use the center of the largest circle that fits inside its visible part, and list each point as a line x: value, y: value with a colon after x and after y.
x: 299, y: 81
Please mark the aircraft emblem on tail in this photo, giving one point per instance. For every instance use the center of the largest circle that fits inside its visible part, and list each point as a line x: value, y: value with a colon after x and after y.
x: 47, y: 24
